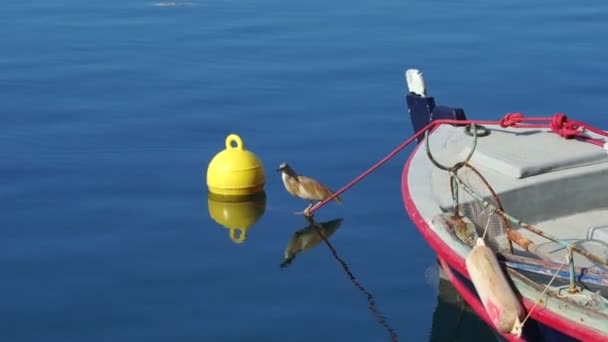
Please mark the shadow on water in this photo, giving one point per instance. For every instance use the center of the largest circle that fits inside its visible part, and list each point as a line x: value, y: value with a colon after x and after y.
x: 309, y: 237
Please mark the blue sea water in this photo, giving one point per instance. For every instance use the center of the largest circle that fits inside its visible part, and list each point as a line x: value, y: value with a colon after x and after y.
x: 110, y: 112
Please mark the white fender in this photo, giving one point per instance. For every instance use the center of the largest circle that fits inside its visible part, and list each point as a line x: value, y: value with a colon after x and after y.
x: 497, y: 296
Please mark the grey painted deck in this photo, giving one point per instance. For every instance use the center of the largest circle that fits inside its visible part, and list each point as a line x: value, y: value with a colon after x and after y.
x: 558, y: 185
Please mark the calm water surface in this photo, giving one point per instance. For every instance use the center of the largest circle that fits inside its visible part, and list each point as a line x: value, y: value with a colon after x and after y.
x: 111, y: 110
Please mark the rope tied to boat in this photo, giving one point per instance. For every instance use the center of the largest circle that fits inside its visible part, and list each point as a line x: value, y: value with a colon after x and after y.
x: 567, y: 129
x: 510, y: 119
x: 555, y: 123
x: 518, y: 328
x: 457, y: 182
x: 558, y: 123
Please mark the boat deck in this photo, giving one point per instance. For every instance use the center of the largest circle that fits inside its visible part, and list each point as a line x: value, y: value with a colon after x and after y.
x: 588, y: 230
x: 557, y: 185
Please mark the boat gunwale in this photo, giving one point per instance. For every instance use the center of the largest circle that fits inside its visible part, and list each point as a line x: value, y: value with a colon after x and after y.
x: 445, y: 252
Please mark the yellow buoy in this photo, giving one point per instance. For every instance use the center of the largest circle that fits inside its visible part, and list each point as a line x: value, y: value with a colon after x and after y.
x: 237, y: 216
x: 235, y: 171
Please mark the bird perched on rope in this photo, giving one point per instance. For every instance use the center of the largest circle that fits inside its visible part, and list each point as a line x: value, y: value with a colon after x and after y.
x: 304, y: 187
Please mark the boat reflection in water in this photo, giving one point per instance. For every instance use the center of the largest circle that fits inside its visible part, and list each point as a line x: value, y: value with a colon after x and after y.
x: 308, y: 237
x: 453, y: 319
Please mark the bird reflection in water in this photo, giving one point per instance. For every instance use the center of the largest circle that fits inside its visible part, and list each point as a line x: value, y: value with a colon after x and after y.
x: 311, y: 236
x: 308, y: 237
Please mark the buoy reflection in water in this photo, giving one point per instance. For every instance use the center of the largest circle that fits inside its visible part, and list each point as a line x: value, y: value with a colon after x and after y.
x: 238, y: 215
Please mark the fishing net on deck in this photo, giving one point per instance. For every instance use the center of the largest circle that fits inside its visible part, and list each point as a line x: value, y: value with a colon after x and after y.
x: 476, y: 211
x: 489, y: 225
x: 480, y: 210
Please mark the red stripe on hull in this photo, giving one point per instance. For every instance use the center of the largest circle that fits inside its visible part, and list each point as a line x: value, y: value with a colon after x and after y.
x: 447, y: 255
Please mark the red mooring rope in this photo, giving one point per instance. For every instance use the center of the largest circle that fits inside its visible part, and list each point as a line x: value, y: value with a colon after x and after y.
x: 558, y: 123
